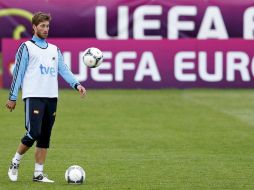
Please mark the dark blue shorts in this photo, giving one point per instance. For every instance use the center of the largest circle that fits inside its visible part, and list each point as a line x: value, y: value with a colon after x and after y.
x: 40, y: 116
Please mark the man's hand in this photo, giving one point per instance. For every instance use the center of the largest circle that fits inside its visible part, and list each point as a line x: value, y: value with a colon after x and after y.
x: 10, y: 105
x: 81, y: 90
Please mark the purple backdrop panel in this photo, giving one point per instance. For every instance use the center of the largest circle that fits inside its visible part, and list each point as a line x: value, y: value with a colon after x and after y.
x: 82, y: 18
x: 153, y: 63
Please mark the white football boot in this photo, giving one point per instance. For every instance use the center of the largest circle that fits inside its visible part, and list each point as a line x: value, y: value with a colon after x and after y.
x: 13, y: 171
x: 42, y: 178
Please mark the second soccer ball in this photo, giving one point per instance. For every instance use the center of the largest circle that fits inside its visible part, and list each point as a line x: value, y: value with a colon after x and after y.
x: 75, y: 175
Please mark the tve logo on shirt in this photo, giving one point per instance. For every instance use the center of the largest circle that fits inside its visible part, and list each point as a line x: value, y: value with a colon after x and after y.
x: 47, y: 70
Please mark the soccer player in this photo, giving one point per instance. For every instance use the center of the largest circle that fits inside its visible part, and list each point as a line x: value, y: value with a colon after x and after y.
x: 37, y: 64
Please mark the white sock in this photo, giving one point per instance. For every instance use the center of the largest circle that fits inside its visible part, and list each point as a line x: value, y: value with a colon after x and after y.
x: 17, y: 158
x: 38, y: 169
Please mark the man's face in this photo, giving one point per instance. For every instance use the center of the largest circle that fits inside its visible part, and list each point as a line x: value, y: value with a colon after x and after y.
x: 42, y: 29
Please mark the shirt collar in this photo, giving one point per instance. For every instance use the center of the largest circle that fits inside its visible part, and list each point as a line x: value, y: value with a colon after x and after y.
x: 37, y: 39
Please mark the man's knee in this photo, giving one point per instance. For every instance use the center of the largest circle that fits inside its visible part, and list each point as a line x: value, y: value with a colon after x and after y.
x: 28, y: 140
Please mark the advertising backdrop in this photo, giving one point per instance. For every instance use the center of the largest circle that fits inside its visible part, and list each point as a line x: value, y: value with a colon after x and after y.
x: 146, y: 43
x: 153, y: 63
x: 126, y: 19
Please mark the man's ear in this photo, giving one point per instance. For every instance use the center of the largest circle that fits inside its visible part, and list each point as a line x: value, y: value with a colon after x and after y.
x: 34, y: 27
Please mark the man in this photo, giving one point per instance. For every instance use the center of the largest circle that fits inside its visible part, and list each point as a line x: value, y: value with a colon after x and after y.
x: 37, y: 65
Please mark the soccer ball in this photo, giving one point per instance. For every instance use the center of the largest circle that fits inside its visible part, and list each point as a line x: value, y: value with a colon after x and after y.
x: 75, y: 175
x: 92, y: 57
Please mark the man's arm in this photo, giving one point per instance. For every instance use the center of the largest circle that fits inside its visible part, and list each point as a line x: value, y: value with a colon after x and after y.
x: 68, y: 76
x: 21, y: 62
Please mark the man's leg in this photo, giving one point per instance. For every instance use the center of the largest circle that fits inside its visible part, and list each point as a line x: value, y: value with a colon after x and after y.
x: 44, y: 140
x: 40, y: 157
x: 20, y: 152
x: 34, y: 109
x: 22, y: 149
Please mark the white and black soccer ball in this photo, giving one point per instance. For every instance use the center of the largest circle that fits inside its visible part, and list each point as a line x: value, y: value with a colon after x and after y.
x: 75, y: 175
x: 92, y: 57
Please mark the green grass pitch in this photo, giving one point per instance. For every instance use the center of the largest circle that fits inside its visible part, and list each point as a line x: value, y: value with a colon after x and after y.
x: 141, y: 140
